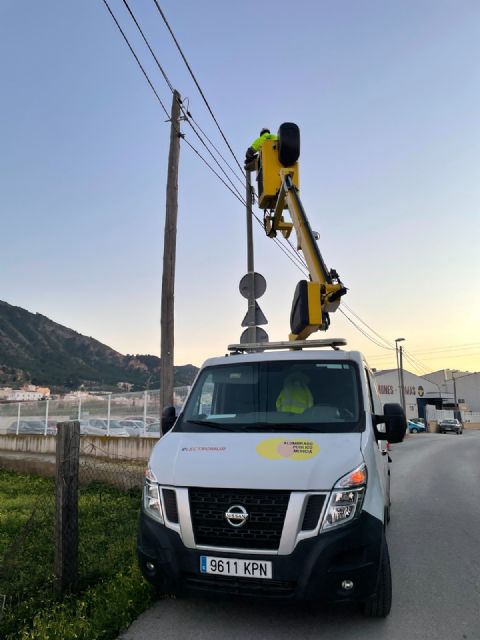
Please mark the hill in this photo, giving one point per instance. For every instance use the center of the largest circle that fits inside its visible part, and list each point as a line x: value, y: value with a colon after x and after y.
x: 36, y: 350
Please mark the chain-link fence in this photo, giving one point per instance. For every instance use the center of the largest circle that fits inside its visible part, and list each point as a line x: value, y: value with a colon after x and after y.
x: 38, y: 542
x: 113, y: 414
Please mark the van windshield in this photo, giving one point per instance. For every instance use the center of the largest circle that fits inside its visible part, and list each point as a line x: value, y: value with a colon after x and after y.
x: 309, y: 396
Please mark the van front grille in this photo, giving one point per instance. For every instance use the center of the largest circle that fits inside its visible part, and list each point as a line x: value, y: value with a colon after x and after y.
x: 262, y: 529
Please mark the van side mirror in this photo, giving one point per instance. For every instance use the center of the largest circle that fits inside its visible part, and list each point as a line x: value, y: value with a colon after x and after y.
x: 395, y: 423
x: 169, y: 417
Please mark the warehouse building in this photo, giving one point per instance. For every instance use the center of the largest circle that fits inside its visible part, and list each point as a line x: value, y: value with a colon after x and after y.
x: 419, y: 392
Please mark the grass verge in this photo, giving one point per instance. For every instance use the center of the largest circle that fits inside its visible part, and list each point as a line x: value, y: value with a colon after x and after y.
x: 111, y: 591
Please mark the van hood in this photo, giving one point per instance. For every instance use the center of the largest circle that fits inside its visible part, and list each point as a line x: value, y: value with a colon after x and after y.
x: 297, y: 461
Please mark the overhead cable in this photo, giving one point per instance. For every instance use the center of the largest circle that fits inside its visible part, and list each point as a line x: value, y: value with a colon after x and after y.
x: 197, y: 83
x: 136, y: 58
x: 170, y: 85
x: 234, y: 192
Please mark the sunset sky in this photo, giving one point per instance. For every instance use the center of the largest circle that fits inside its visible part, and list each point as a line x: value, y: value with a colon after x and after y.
x: 387, y: 97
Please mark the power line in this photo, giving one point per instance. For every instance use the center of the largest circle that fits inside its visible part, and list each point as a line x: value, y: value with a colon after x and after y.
x: 162, y: 70
x: 136, y: 58
x: 241, y: 180
x: 387, y: 342
x: 213, y: 171
x: 197, y: 84
x: 170, y: 85
x: 364, y: 332
x: 163, y: 106
x: 291, y: 252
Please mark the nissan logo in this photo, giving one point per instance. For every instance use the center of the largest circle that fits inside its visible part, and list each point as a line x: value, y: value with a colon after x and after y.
x: 236, y: 515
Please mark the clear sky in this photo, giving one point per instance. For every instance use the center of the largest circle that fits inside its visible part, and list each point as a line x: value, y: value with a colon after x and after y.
x: 387, y: 96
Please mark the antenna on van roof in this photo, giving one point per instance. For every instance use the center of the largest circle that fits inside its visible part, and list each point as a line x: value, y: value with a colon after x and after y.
x: 297, y: 345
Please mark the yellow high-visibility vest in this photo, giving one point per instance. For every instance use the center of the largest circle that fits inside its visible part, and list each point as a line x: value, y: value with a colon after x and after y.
x: 294, y: 398
x: 256, y: 144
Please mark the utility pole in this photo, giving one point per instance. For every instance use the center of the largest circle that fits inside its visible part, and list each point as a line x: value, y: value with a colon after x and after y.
x: 169, y: 255
x: 402, y: 394
x: 252, y: 285
x: 251, y: 328
x: 401, y: 386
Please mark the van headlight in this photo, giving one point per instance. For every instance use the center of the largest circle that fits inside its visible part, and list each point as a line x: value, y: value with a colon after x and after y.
x: 151, y: 497
x: 346, y: 500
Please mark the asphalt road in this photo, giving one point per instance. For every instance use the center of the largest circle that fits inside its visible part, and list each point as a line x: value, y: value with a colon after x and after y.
x: 434, y: 541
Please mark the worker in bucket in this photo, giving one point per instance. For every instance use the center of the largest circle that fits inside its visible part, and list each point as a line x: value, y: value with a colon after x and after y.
x: 254, y: 148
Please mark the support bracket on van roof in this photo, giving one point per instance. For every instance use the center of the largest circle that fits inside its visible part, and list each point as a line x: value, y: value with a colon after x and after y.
x: 333, y: 343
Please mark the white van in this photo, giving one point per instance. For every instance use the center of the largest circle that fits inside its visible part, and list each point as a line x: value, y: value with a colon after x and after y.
x: 272, y: 483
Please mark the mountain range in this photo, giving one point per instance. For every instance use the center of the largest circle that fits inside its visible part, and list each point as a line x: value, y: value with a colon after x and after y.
x: 37, y: 350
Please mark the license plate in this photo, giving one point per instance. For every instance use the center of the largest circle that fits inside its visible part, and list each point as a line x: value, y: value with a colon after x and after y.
x: 236, y: 567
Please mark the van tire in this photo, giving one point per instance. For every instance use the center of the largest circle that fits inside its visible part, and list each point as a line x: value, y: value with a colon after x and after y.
x: 379, y: 605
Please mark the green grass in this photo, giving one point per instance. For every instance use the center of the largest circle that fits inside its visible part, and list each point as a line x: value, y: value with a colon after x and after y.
x: 110, y: 592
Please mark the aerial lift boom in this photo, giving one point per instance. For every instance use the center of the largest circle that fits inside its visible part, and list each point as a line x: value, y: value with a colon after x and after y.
x: 277, y: 177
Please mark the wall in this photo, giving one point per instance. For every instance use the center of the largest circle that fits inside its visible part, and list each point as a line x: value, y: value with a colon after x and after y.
x: 101, y: 446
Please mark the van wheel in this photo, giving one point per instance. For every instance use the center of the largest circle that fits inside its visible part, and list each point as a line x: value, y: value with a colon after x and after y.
x: 379, y: 605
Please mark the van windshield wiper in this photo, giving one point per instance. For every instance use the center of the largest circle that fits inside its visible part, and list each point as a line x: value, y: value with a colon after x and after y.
x: 207, y: 423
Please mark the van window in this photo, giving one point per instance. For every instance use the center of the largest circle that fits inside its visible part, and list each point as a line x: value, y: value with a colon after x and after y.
x: 308, y: 396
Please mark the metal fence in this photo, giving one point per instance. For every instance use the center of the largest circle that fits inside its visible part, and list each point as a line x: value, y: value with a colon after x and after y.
x: 103, y: 412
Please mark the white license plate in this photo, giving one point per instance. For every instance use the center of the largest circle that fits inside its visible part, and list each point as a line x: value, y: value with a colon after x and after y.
x: 236, y: 567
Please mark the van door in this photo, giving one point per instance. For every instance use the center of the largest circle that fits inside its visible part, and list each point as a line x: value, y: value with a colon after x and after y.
x: 381, y: 451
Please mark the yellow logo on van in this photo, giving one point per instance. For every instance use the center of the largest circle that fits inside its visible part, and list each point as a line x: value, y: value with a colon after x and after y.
x: 288, y: 448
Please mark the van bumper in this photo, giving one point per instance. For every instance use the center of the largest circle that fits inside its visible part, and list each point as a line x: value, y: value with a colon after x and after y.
x: 314, y: 571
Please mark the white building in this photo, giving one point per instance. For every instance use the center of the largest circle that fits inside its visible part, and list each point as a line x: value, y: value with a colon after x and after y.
x: 418, y: 391
x: 460, y: 385
x: 22, y: 395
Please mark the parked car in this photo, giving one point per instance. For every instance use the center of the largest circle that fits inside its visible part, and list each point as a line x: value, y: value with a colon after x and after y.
x: 450, y: 426
x: 134, y: 427
x: 416, y: 427
x: 32, y: 427
x: 98, y: 427
x: 152, y: 430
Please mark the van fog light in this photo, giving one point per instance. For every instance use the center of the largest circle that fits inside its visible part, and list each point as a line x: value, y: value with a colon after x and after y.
x: 347, y: 585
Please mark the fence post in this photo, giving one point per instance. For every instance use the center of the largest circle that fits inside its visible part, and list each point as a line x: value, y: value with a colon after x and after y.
x: 145, y: 400
x: 46, y: 418
x: 66, y: 511
x: 79, y: 408
x: 108, y: 413
x: 18, y: 417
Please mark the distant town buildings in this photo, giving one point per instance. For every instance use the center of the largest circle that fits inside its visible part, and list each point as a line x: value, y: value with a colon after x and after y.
x: 28, y: 393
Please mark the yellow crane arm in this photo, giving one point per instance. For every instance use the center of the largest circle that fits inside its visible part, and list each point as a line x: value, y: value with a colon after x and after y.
x: 278, y: 190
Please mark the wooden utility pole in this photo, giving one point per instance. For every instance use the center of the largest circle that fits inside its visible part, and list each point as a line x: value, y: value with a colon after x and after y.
x: 169, y: 254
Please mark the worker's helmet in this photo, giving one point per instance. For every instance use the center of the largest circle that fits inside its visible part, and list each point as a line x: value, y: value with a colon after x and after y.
x: 264, y: 130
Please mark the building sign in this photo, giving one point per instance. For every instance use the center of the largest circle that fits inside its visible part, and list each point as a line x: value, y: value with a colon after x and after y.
x: 386, y: 389
x: 389, y: 390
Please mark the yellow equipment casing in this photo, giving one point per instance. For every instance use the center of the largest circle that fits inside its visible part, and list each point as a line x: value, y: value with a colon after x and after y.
x: 268, y: 175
